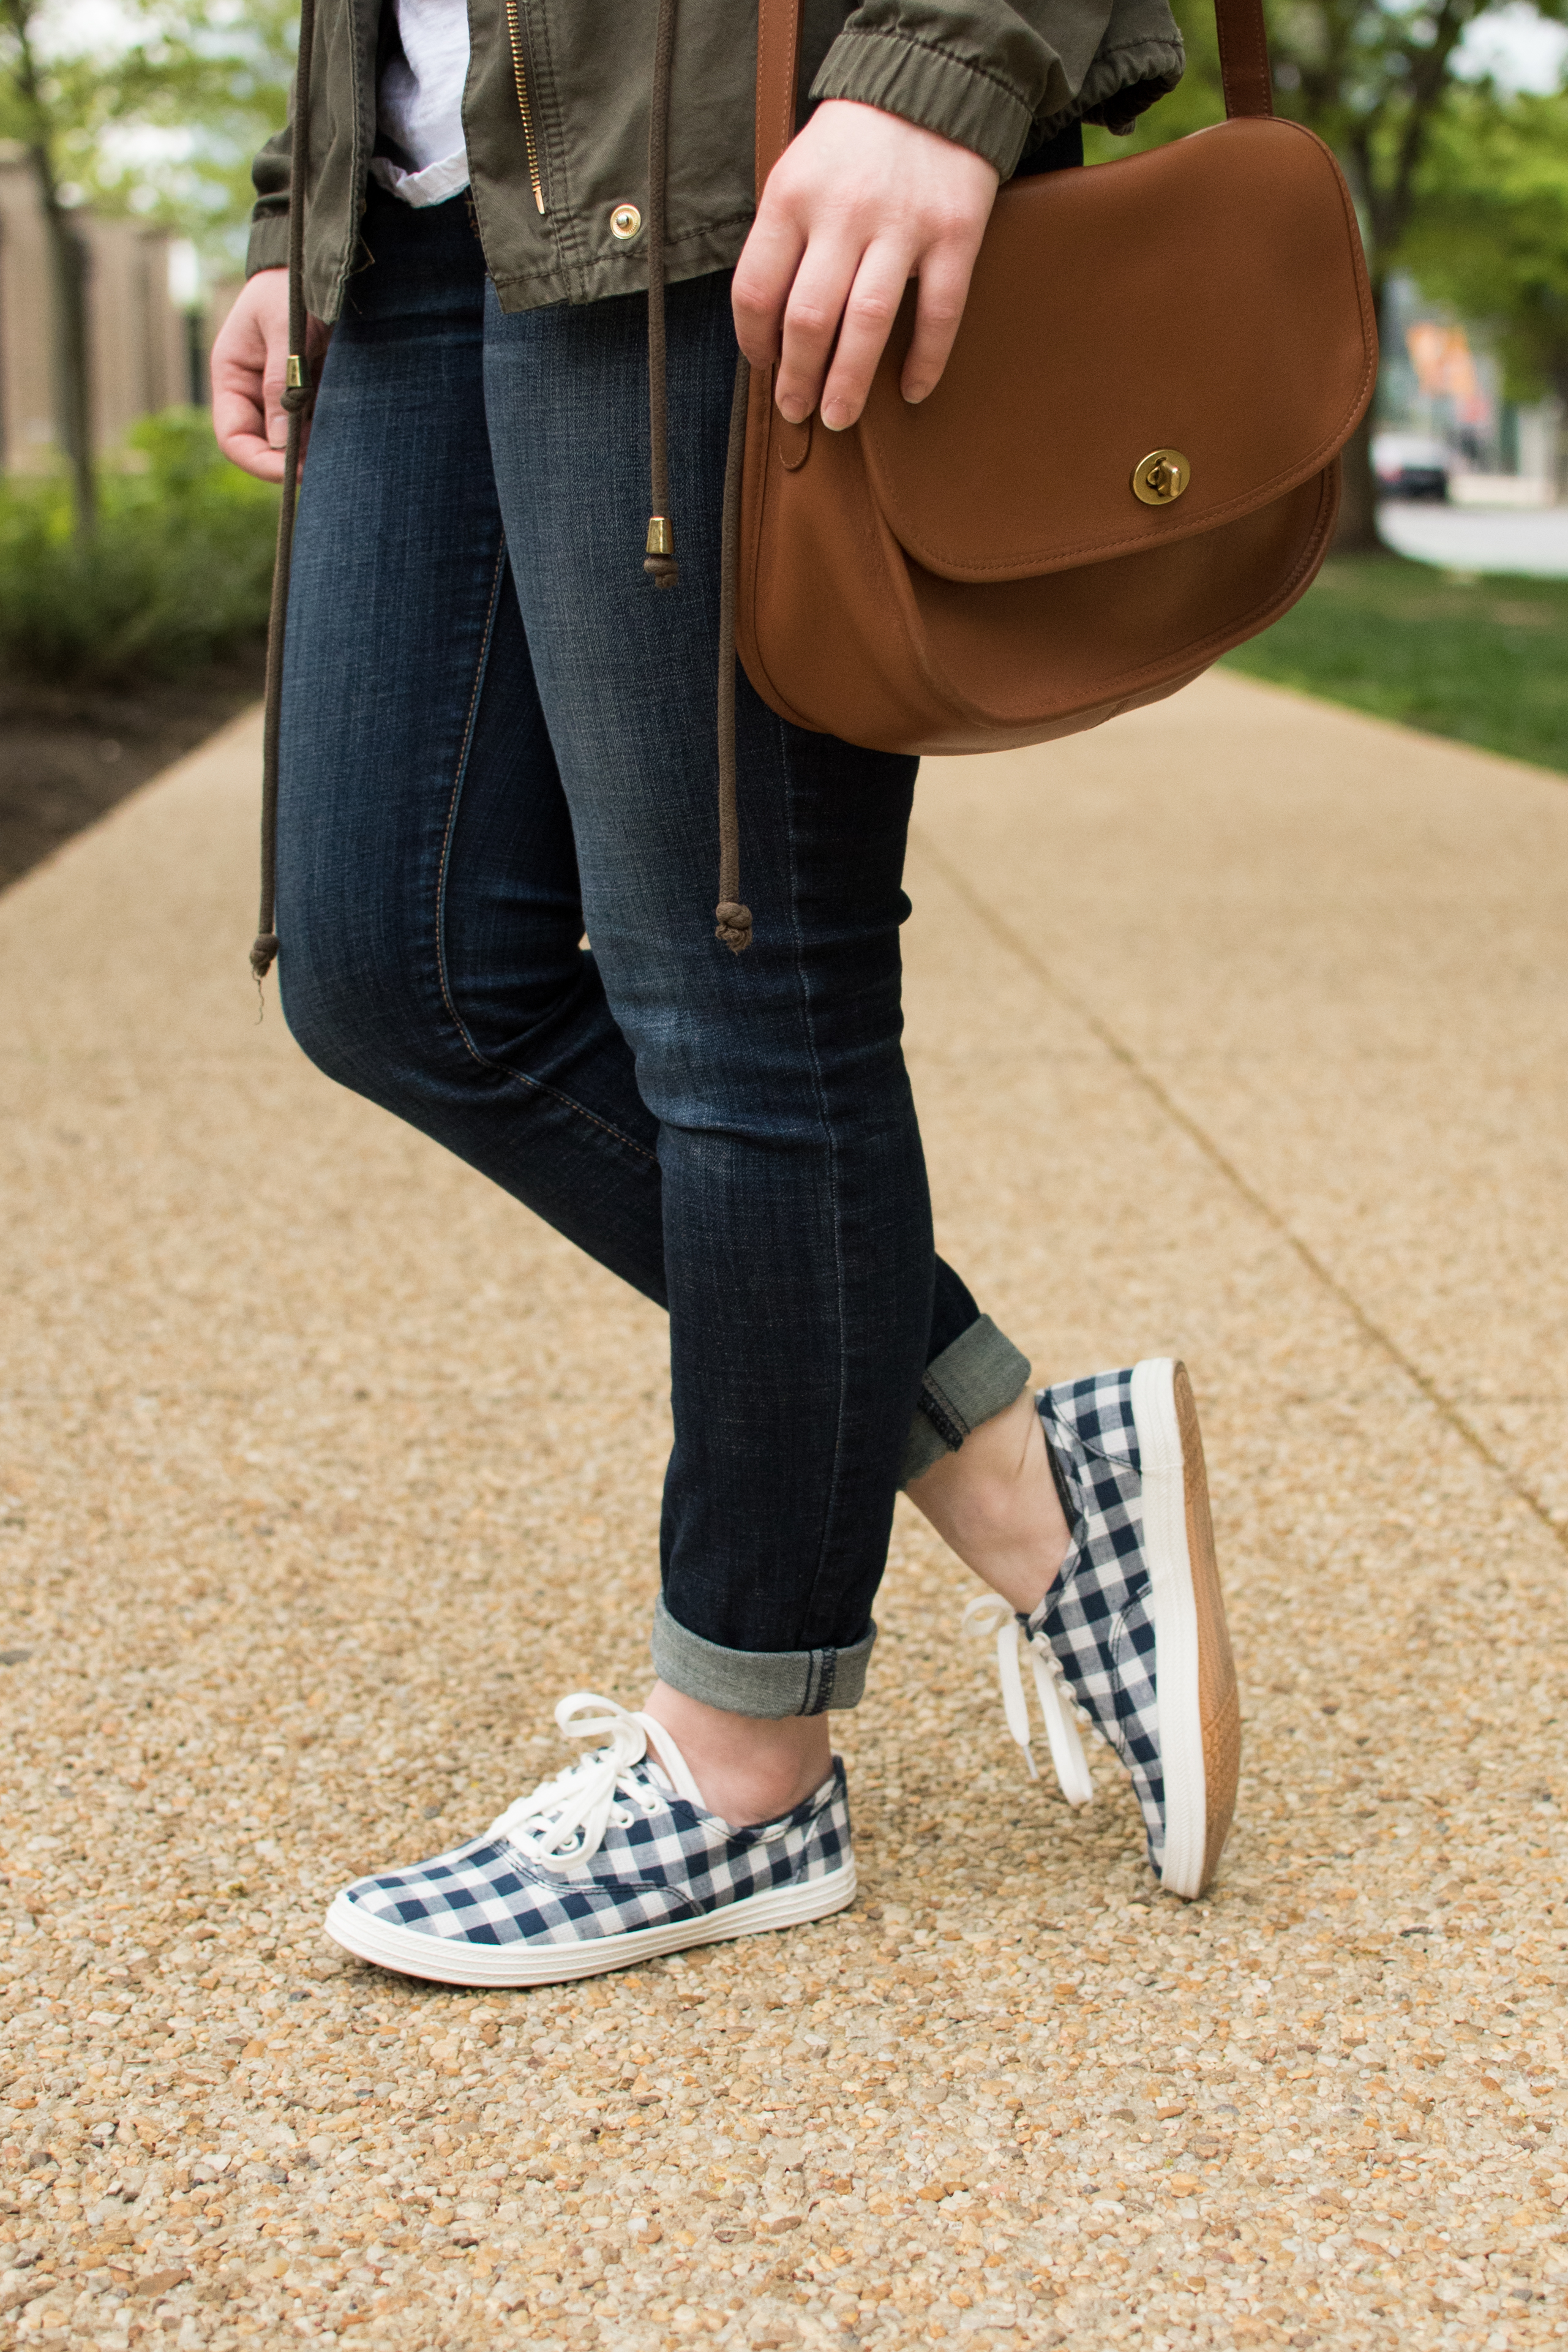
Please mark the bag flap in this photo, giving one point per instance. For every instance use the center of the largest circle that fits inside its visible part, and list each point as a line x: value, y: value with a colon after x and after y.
x: 1208, y: 298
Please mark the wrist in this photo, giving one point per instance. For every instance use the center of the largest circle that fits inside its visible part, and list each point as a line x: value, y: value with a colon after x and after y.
x: 931, y: 91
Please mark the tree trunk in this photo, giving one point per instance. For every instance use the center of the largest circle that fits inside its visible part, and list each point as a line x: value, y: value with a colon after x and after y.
x: 1356, y: 533
x: 1358, y: 530
x: 72, y: 385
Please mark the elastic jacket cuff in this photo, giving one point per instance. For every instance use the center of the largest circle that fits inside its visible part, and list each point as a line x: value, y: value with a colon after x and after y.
x: 268, y: 246
x: 769, y: 1683
x: 971, y: 1382
x: 928, y: 87
x: 1122, y: 84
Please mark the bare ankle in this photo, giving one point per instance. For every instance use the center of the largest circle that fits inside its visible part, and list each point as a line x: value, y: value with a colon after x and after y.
x: 994, y: 1501
x: 749, y: 1769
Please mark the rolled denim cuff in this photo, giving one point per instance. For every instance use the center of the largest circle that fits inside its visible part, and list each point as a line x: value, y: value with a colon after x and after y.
x: 971, y: 1382
x: 771, y: 1683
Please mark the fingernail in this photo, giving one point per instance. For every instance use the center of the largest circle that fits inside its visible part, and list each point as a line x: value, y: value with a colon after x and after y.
x: 277, y: 432
x: 837, y: 418
x: 917, y: 394
x: 792, y: 411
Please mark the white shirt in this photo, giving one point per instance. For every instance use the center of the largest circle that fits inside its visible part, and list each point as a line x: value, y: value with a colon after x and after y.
x: 420, y: 101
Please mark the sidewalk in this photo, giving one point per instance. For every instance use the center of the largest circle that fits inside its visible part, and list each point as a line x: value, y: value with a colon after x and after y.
x: 1238, y: 1031
x: 1478, y: 539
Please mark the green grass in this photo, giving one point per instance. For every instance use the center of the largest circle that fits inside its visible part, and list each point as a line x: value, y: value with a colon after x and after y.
x: 1485, y: 660
x: 178, y: 574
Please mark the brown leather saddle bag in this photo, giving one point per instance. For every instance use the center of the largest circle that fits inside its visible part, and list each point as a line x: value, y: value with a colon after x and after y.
x: 1130, y: 465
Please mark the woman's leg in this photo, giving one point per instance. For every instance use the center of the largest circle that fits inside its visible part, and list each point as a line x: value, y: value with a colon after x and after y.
x: 431, y: 919
x: 429, y: 901
x: 427, y: 879
x: 798, y: 1254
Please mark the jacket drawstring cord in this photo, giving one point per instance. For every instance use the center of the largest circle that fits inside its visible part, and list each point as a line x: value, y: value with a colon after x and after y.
x: 296, y: 397
x: 732, y: 920
x: 660, y: 563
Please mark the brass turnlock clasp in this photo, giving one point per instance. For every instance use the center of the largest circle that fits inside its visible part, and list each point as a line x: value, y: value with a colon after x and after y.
x: 1161, y: 477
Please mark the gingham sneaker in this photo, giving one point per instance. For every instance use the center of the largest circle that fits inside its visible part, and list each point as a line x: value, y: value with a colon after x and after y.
x: 608, y: 1863
x: 1132, y: 1631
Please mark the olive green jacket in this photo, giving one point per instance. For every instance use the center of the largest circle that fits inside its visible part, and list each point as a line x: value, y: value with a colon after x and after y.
x: 555, y: 116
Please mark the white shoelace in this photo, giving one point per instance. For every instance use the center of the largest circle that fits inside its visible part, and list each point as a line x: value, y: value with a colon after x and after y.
x: 561, y: 1823
x: 990, y: 1615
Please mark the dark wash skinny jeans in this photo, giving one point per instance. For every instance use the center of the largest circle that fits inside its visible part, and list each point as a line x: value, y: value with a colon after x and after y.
x: 498, y: 734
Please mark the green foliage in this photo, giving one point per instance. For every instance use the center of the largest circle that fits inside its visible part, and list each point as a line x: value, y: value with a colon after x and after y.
x: 210, y: 82
x: 1373, y: 78
x: 1490, y: 234
x: 1482, y: 660
x: 156, y: 110
x: 180, y: 571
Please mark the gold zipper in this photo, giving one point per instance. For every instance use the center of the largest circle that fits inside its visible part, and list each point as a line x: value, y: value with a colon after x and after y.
x: 520, y: 75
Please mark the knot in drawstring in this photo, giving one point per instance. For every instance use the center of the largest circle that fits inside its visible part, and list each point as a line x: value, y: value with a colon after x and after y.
x: 660, y: 563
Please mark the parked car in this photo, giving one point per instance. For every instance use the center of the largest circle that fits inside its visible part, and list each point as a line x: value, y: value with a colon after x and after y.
x: 1411, y: 466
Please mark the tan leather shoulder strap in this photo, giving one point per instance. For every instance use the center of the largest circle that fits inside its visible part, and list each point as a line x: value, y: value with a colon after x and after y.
x: 1244, y: 56
x: 778, y: 65
x: 1243, y: 66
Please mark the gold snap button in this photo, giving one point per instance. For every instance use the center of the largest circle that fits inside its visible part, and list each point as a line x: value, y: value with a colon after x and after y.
x: 1161, y: 477
x: 624, y: 222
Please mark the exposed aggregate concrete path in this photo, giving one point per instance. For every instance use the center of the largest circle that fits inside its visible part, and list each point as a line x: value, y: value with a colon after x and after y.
x: 1239, y: 1030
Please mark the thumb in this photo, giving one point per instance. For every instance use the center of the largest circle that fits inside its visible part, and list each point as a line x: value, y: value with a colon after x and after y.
x: 272, y: 395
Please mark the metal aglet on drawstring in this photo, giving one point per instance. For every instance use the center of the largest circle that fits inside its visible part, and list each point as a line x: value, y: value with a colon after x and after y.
x: 296, y: 401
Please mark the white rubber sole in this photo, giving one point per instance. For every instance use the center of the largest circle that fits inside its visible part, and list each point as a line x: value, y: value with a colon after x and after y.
x: 447, y: 1959
x: 1174, y: 1605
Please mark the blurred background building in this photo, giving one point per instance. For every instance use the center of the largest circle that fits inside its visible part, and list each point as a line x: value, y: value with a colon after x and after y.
x: 145, y: 351
x: 1447, y: 428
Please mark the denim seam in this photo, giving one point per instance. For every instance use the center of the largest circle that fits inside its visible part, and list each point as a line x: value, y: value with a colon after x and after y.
x: 486, y: 1061
x: 830, y: 1514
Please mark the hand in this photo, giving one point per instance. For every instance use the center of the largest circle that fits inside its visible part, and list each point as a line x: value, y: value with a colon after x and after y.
x: 857, y: 206
x: 249, y: 364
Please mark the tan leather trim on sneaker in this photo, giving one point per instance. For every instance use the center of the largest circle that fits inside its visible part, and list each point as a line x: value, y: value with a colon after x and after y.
x: 1220, y: 1705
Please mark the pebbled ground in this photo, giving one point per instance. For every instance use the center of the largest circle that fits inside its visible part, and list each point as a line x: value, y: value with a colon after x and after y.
x: 1238, y: 1032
